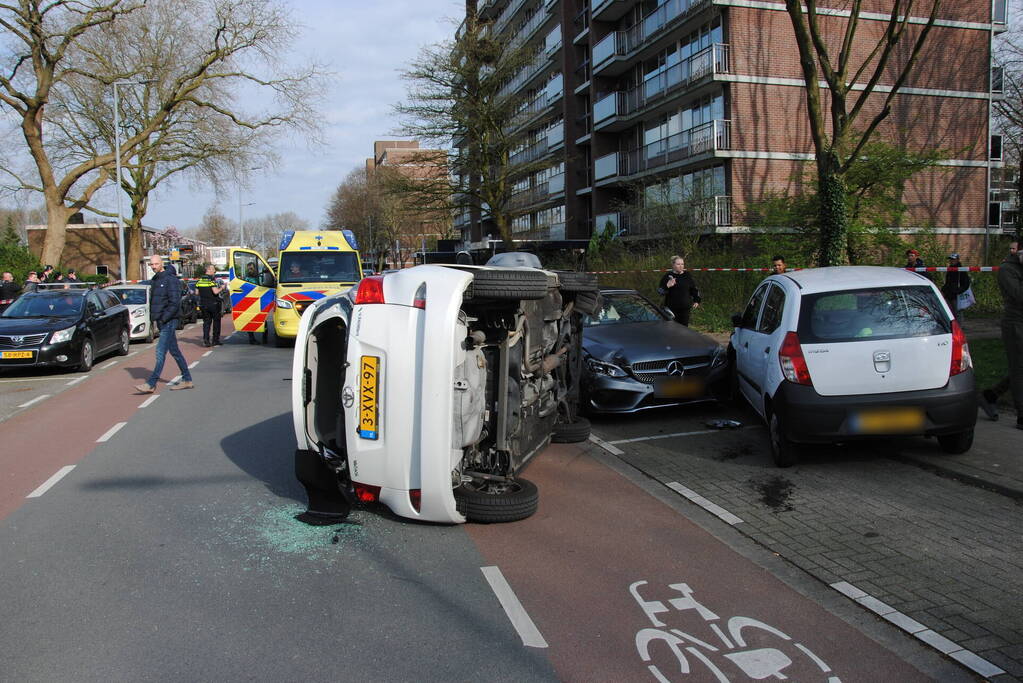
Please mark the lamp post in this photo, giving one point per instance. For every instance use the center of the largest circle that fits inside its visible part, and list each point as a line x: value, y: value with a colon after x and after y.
x: 241, y: 225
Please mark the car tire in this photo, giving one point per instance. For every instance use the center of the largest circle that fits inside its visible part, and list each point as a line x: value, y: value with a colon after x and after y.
x: 587, y: 303
x: 575, y: 281
x: 86, y: 356
x: 180, y: 324
x: 497, y: 501
x: 782, y: 449
x: 124, y: 342
x: 508, y: 284
x: 956, y: 444
x: 271, y: 329
x: 571, y: 432
x: 149, y: 334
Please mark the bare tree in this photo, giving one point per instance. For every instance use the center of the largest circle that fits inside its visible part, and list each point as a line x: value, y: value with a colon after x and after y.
x: 839, y: 144
x: 195, y: 55
x: 216, y: 229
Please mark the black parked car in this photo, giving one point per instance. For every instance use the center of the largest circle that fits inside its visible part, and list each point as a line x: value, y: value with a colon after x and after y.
x: 189, y: 304
x: 638, y: 357
x: 63, y: 327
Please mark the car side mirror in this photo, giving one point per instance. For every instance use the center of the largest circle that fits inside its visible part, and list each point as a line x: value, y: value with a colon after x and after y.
x: 737, y: 320
x: 668, y: 312
x: 266, y: 279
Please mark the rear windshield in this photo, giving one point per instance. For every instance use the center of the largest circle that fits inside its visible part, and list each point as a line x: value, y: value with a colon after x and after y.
x: 319, y: 266
x: 861, y: 314
x: 130, y: 296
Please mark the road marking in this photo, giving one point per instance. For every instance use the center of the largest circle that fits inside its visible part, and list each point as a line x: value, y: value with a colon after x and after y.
x: 207, y: 353
x: 605, y: 445
x: 174, y: 380
x: 517, y: 614
x: 712, y: 508
x: 110, y: 432
x: 37, y: 399
x: 131, y: 354
x: 76, y: 380
x: 108, y: 365
x: 672, y: 436
x: 26, y: 379
x: 940, y: 643
x: 149, y: 400
x: 49, y: 483
x: 193, y: 364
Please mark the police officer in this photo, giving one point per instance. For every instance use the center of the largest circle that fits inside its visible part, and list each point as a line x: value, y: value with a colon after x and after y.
x: 209, y: 303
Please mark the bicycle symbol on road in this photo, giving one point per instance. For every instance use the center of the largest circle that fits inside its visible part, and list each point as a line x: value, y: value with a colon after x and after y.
x: 740, y: 654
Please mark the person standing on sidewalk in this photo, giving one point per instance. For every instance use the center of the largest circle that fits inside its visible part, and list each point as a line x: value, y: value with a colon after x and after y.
x: 680, y: 292
x: 956, y: 283
x: 165, y: 308
x: 1010, y: 282
x: 209, y: 302
x: 9, y: 290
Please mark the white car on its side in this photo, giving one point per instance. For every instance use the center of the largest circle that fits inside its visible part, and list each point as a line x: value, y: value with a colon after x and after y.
x: 430, y: 389
x: 833, y: 354
x: 136, y: 298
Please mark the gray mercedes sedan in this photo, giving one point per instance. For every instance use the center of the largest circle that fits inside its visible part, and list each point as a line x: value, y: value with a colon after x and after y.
x: 637, y: 357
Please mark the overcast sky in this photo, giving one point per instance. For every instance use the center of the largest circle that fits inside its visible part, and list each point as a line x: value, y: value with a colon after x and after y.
x: 366, y: 43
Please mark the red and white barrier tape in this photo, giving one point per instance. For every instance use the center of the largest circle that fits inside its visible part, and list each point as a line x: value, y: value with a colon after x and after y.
x: 925, y: 269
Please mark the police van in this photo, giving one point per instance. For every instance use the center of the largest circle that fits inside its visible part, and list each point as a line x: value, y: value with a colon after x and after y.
x: 312, y: 264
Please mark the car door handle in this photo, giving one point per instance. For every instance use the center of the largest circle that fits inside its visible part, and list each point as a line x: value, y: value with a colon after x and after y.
x: 745, y: 345
x: 767, y: 350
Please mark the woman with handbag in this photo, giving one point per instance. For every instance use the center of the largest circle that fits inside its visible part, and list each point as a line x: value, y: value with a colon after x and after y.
x: 956, y: 287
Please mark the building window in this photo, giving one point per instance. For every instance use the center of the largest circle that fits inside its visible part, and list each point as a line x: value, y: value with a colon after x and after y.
x: 999, y: 11
x: 996, y: 147
x: 994, y: 214
x: 997, y: 78
x: 102, y: 270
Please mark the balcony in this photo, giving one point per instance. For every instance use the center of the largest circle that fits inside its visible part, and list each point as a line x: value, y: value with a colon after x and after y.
x: 531, y: 25
x: 527, y: 74
x: 609, y: 10
x: 581, y: 23
x: 556, y: 184
x: 529, y: 196
x: 532, y: 153
x: 556, y: 136
x: 552, y: 43
x: 707, y: 138
x: 654, y: 24
x: 710, y: 61
x: 606, y: 166
x: 707, y: 213
x: 507, y: 15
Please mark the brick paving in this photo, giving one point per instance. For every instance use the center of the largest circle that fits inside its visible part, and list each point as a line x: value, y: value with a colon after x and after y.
x: 946, y: 554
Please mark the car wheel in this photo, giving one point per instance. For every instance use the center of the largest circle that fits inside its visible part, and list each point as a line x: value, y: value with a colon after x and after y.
x: 271, y: 329
x: 505, y: 284
x: 956, y: 443
x: 85, y: 358
x: 493, y: 501
x: 180, y: 324
x: 587, y: 303
x: 124, y: 342
x: 571, y: 432
x: 574, y: 281
x: 782, y: 449
x: 149, y: 334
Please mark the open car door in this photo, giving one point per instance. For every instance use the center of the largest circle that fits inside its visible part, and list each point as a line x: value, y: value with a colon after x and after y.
x: 253, y: 290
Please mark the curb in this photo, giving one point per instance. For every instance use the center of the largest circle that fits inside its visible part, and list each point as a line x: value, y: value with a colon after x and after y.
x: 963, y: 475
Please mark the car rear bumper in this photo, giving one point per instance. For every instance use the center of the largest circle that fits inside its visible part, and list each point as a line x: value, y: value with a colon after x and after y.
x: 624, y: 395
x: 811, y: 417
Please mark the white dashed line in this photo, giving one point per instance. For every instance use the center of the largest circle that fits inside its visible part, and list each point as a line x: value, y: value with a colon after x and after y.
x: 110, y: 432
x: 175, y: 380
x: 49, y: 483
x: 940, y: 643
x: 108, y: 365
x: 131, y: 354
x: 76, y: 380
x: 527, y: 630
x: 149, y: 400
x: 207, y: 353
x: 26, y: 379
x: 712, y: 508
x: 37, y: 399
x: 606, y: 446
x: 193, y: 364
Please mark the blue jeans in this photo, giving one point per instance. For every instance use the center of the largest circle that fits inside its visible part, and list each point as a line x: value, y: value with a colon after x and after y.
x: 168, y: 341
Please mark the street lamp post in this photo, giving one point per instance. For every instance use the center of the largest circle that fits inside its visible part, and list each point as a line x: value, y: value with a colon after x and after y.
x: 241, y: 225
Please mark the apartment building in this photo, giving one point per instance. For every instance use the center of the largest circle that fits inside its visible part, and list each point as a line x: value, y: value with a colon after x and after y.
x: 701, y: 104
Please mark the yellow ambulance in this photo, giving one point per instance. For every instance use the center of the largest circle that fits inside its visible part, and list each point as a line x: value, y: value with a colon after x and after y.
x: 312, y: 264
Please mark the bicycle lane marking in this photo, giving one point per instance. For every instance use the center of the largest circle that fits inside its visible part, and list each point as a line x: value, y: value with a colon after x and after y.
x: 623, y: 587
x: 62, y: 430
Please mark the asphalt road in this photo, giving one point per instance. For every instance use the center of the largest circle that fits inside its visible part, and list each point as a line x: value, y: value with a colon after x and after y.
x: 169, y: 552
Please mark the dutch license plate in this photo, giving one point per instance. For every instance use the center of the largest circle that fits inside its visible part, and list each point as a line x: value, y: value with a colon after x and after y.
x: 16, y: 354
x: 679, y: 387
x: 369, y: 369
x: 889, y: 421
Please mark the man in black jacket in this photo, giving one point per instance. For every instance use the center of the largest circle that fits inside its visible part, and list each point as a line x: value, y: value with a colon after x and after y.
x: 9, y: 290
x: 681, y: 294
x: 165, y: 308
x: 1010, y: 282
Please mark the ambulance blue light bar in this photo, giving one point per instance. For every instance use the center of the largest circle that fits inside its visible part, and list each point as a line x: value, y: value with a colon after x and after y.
x: 350, y: 236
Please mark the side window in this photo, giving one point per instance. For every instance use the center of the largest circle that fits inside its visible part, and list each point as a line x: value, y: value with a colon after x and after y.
x: 774, y: 307
x: 749, y: 316
x: 108, y: 298
x: 92, y: 304
x: 246, y: 266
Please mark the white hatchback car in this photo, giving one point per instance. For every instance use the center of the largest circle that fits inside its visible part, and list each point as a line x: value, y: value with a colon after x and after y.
x: 429, y: 390
x: 136, y: 298
x: 834, y: 354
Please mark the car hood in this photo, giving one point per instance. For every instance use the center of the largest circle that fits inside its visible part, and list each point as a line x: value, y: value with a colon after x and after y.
x: 34, y: 325
x: 638, y: 342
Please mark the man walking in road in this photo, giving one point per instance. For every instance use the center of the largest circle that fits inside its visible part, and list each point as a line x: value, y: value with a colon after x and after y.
x: 165, y: 308
x: 681, y: 294
x: 209, y: 302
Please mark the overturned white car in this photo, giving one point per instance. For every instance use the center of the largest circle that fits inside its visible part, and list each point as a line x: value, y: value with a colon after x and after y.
x: 429, y: 390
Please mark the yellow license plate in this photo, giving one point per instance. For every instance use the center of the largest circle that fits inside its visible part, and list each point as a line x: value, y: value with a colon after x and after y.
x: 369, y: 369
x: 679, y: 387
x: 889, y: 421
x: 16, y: 354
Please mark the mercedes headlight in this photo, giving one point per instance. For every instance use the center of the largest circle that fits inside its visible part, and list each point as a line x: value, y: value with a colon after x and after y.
x: 62, y: 335
x: 609, y: 369
x: 284, y: 303
x: 720, y: 356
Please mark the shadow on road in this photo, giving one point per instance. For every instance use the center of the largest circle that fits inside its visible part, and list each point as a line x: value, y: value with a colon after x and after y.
x: 265, y: 451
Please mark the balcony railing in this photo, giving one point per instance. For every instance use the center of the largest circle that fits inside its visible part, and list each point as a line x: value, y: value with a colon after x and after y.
x: 531, y: 153
x: 510, y: 11
x: 525, y: 75
x: 703, y: 139
x: 606, y: 166
x: 552, y: 43
x: 527, y: 29
x: 556, y: 185
x: 556, y: 135
x: 529, y: 196
x: 699, y: 212
x: 661, y: 18
x: 581, y: 22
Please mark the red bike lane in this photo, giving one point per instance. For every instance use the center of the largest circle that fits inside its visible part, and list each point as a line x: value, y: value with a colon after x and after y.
x: 62, y: 430
x: 623, y: 587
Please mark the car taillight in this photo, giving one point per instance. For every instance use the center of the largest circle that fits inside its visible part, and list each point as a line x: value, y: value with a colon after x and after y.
x: 366, y: 493
x: 961, y: 360
x: 371, y: 290
x: 793, y: 365
x: 415, y: 496
x: 419, y: 300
